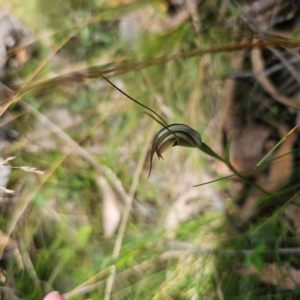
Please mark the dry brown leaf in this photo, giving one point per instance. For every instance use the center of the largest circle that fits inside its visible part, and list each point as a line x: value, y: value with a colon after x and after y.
x: 279, y: 173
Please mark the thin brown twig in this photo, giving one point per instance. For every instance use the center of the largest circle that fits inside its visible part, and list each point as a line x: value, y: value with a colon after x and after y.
x: 287, y: 64
x: 124, y: 67
x: 258, y: 66
x: 266, y: 72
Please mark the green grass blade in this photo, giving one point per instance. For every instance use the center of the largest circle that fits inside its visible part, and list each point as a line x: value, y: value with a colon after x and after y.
x: 277, y: 145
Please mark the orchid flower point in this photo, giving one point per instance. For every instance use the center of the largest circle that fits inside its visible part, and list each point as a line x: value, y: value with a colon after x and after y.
x: 174, y: 135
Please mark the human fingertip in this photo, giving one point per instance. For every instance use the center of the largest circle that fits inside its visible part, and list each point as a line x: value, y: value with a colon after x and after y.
x: 54, y: 296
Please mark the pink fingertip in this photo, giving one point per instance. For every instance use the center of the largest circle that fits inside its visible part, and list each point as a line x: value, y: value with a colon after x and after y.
x: 54, y: 296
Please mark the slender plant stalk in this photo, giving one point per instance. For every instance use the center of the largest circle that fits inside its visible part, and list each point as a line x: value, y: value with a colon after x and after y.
x: 277, y: 145
x: 135, y: 101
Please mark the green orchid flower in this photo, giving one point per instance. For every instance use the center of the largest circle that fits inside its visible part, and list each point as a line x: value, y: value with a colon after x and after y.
x: 174, y: 135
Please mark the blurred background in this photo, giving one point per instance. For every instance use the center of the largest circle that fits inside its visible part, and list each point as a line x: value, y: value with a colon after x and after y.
x: 80, y: 214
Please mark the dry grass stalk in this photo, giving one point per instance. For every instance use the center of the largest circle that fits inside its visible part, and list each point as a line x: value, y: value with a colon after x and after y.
x: 120, y: 68
x: 126, y: 211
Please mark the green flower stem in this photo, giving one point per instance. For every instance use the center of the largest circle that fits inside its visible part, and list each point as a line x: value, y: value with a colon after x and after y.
x: 206, y: 149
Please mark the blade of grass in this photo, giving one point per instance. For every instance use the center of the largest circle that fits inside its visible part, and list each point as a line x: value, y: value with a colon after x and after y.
x: 206, y: 149
x: 277, y: 145
x: 246, y: 170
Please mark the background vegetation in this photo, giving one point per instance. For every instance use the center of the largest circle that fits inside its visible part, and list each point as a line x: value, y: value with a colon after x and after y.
x: 94, y: 217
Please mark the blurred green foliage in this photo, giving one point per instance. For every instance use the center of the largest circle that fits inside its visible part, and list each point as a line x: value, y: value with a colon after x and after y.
x: 61, y: 230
